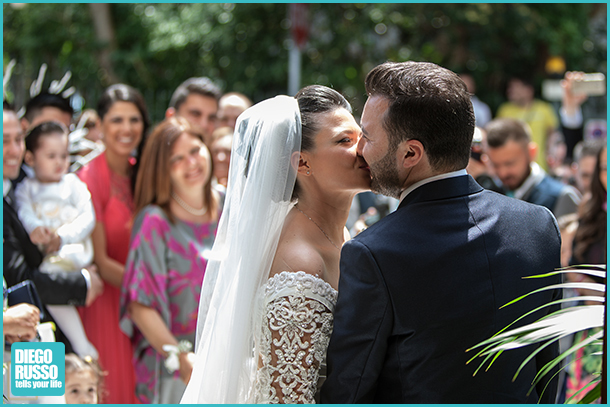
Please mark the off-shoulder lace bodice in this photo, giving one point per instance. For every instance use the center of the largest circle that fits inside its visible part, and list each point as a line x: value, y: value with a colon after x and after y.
x: 297, y: 324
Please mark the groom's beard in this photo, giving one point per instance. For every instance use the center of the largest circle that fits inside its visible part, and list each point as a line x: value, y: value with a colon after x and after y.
x: 384, y: 176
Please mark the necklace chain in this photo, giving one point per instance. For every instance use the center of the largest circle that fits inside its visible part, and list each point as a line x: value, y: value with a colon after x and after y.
x: 188, y: 208
x: 321, y: 230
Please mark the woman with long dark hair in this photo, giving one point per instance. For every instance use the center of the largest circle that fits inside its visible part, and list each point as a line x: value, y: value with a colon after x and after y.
x: 110, y: 178
x: 590, y: 238
x: 589, y: 247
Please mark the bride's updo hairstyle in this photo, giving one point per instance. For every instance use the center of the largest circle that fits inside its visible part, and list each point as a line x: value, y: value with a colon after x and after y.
x: 315, y: 100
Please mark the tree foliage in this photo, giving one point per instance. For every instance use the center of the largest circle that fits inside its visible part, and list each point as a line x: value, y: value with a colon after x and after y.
x: 245, y: 46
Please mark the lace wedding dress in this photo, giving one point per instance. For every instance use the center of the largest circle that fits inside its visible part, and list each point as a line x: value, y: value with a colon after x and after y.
x: 296, y: 329
x: 259, y: 338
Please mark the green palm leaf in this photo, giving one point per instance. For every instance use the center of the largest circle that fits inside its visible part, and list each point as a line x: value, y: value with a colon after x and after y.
x: 588, y: 286
x: 552, y: 327
x: 591, y: 340
x: 556, y: 325
x: 591, y: 395
x: 598, y: 270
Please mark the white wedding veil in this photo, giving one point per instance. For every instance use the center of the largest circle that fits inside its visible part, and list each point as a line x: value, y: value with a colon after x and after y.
x: 261, y: 181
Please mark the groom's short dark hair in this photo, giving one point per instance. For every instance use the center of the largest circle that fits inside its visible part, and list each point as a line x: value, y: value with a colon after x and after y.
x: 428, y: 103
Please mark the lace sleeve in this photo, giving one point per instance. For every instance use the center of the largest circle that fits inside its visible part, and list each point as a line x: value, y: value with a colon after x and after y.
x: 293, y: 348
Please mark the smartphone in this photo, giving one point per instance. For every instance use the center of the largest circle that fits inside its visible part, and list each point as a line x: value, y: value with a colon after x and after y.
x: 477, y: 144
x: 592, y: 84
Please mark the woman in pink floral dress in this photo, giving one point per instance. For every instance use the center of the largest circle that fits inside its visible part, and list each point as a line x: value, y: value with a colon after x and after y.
x: 177, y: 212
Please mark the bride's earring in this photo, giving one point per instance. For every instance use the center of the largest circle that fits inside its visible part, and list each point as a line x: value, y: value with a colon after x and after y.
x: 307, y: 172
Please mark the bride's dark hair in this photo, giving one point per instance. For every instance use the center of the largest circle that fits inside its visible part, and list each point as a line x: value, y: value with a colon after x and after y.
x: 314, y: 100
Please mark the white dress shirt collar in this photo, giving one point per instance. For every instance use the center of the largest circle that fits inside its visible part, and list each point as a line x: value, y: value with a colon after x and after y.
x: 430, y: 179
x: 6, y: 187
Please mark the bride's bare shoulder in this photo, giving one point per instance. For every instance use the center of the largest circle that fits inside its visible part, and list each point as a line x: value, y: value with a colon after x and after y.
x: 296, y: 251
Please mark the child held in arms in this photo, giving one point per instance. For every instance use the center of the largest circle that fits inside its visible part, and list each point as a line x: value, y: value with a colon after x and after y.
x: 55, y: 209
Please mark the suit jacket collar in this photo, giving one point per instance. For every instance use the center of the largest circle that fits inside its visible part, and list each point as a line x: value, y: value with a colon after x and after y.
x: 430, y: 179
x: 9, y: 199
x: 443, y: 189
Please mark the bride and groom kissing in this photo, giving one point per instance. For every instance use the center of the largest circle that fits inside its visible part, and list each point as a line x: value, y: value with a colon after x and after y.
x: 292, y: 310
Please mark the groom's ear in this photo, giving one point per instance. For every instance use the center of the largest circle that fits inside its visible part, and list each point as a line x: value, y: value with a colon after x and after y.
x: 411, y: 152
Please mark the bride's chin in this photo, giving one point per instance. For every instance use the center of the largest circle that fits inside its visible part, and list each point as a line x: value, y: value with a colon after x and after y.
x: 366, y: 185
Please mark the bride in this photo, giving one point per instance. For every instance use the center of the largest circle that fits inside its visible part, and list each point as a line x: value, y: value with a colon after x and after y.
x: 269, y: 290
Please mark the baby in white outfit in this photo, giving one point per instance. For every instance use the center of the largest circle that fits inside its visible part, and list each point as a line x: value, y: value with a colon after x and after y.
x: 56, y: 210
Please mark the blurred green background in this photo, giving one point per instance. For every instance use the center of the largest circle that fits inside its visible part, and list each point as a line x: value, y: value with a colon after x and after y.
x: 244, y: 47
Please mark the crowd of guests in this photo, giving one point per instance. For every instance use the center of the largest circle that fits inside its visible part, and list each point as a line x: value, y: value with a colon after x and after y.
x: 511, y: 157
x: 130, y: 229
x: 529, y: 152
x: 117, y: 250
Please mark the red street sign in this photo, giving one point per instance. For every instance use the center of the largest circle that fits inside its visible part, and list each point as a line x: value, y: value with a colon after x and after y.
x: 300, y: 24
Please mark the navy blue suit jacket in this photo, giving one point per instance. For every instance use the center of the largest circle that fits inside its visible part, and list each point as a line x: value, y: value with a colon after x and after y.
x: 424, y: 284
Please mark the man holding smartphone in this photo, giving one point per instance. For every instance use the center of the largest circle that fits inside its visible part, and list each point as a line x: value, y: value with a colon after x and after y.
x: 539, y: 115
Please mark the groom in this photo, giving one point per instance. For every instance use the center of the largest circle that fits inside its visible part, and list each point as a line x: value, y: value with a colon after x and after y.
x: 426, y: 283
